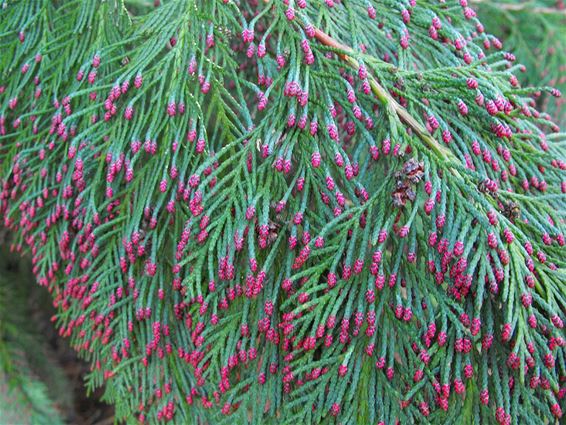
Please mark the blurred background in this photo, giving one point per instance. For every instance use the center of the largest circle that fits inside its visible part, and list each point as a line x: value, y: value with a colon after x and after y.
x: 535, y: 31
x: 41, y: 377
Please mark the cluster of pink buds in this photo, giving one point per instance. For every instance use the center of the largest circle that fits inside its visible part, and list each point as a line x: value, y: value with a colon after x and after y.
x: 309, y: 56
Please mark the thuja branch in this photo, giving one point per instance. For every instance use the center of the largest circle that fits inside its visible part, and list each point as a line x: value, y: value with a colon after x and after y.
x: 383, y: 95
x: 361, y: 246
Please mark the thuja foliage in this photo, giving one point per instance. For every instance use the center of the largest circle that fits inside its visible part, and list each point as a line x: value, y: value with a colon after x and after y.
x: 296, y: 211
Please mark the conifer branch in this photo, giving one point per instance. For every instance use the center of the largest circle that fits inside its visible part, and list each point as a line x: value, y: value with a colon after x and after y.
x: 383, y: 95
x: 239, y: 215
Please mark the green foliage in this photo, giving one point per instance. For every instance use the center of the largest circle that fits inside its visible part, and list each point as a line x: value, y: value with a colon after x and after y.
x: 259, y: 212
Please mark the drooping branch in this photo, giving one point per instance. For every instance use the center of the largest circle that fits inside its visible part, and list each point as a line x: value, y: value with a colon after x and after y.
x: 308, y: 264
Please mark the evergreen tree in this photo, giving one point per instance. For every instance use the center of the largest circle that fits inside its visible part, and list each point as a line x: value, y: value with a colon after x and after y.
x: 288, y: 211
